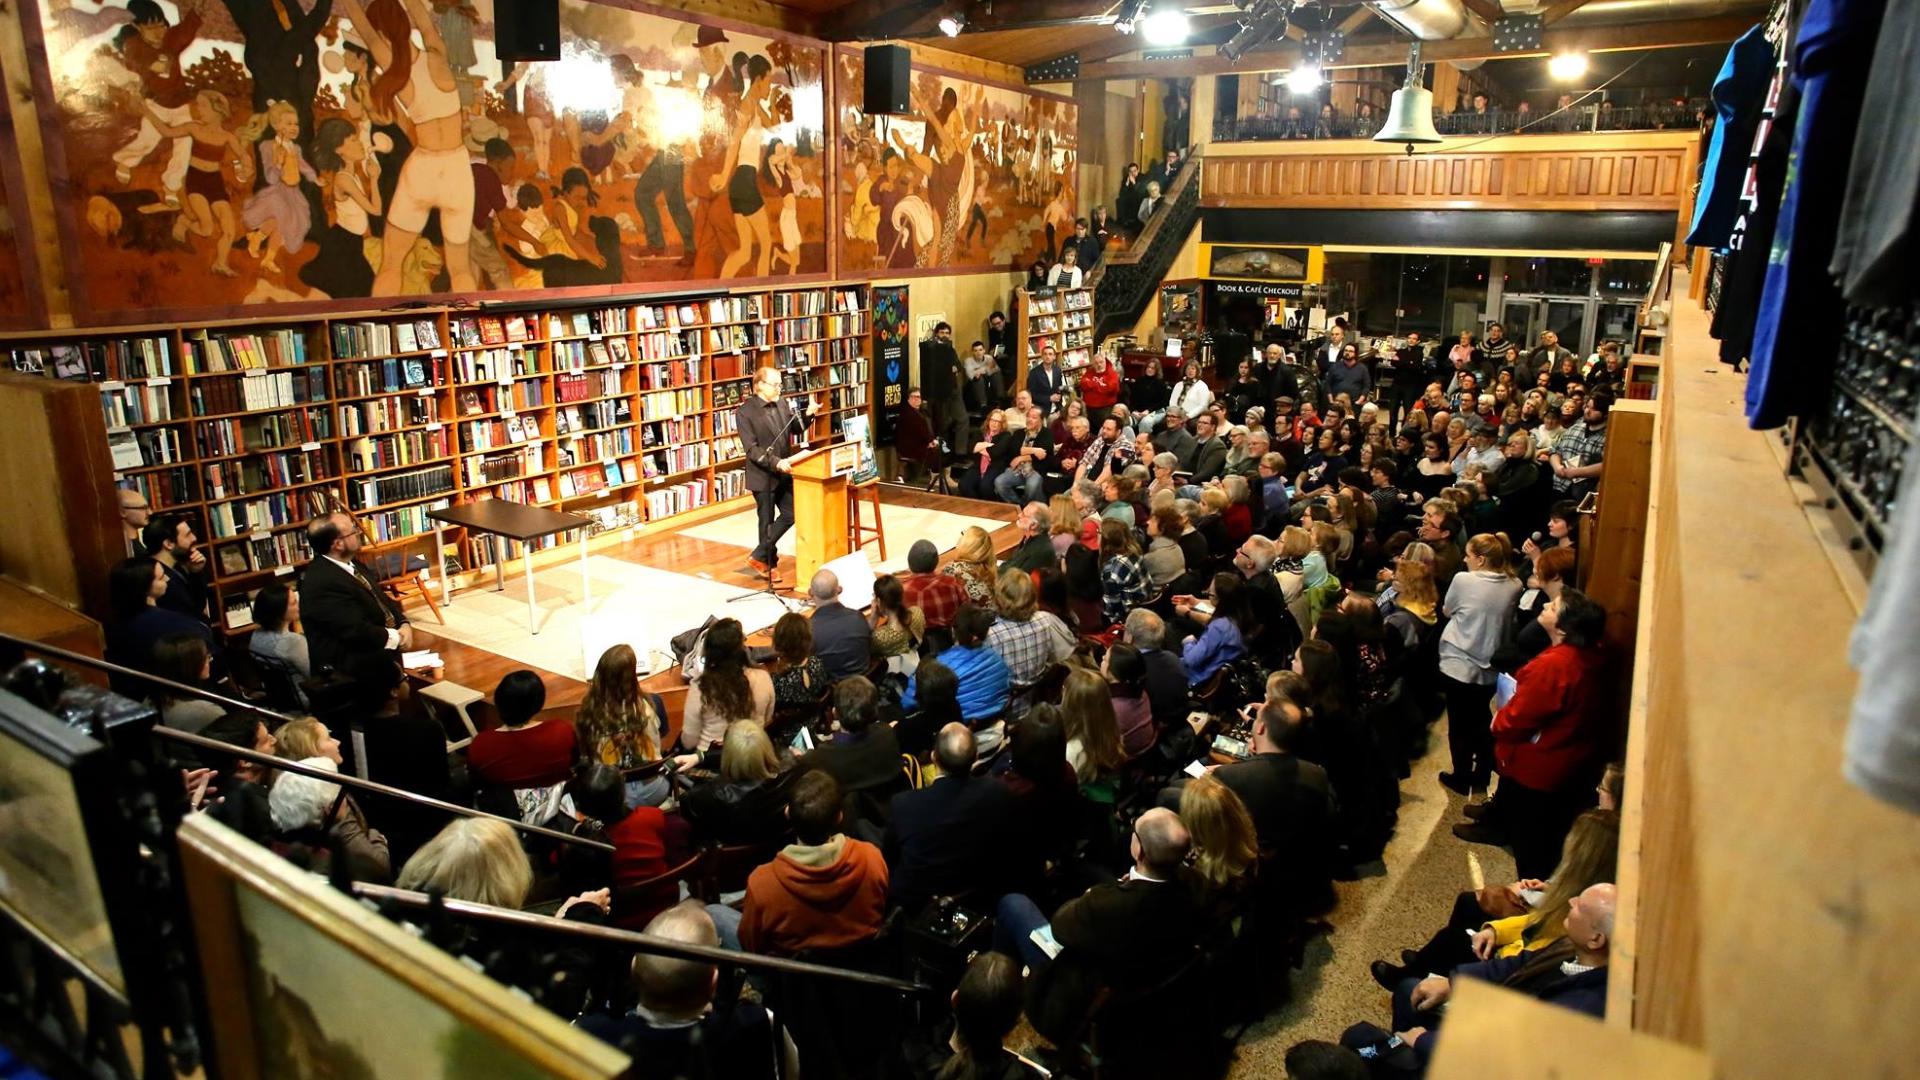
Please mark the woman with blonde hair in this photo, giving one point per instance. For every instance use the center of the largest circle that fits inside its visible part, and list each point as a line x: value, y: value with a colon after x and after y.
x: 1093, y: 733
x: 1067, y: 522
x: 616, y: 724
x: 973, y: 564
x: 1224, y: 842
x: 475, y: 859
x: 1415, y: 610
x: 1521, y: 917
x: 744, y: 805
x: 1479, y: 608
x: 1290, y: 566
x: 305, y: 738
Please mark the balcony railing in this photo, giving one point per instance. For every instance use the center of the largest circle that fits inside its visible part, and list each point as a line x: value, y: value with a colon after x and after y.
x: 1580, y: 118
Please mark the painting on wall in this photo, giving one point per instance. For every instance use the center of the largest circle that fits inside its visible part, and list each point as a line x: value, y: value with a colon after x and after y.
x: 977, y: 177
x: 221, y: 153
x: 19, y: 271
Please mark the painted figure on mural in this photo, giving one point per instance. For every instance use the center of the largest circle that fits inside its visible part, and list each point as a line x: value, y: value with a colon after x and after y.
x: 390, y: 153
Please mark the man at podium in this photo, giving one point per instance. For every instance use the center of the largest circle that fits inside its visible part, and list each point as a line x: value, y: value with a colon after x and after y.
x: 767, y: 427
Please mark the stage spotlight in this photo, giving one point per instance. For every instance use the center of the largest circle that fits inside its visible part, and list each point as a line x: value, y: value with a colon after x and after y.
x: 1265, y: 19
x: 1166, y: 26
x: 1567, y: 67
x: 951, y: 24
x: 1302, y: 81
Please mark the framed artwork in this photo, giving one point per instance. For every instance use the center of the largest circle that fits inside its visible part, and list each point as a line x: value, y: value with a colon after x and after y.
x: 979, y: 177
x: 218, y: 155
x: 303, y: 982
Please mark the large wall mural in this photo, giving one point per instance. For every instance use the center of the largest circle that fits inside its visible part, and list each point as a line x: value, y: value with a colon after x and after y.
x: 19, y: 271
x: 979, y: 177
x: 220, y: 153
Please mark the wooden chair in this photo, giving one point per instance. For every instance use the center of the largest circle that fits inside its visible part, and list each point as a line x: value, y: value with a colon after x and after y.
x: 391, y: 559
x: 859, y: 533
x: 726, y: 866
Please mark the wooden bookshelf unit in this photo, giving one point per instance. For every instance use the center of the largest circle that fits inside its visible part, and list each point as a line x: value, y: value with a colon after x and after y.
x: 1063, y: 317
x: 620, y: 410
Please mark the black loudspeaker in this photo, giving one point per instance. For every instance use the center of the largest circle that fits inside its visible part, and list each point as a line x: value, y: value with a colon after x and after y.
x: 889, y: 69
x: 526, y: 29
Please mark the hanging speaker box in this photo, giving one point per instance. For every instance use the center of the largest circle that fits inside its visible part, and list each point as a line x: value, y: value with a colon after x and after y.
x: 526, y: 29
x: 889, y: 69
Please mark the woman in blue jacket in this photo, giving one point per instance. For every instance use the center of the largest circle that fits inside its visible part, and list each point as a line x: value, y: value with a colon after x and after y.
x: 1222, y: 642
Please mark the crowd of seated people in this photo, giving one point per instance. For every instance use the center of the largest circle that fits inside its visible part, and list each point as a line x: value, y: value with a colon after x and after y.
x: 1142, y: 733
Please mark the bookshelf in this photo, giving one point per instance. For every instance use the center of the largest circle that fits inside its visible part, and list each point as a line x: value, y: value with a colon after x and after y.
x: 619, y: 409
x: 1063, y: 317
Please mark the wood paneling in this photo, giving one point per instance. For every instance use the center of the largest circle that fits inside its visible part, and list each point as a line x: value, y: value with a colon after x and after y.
x: 63, y: 525
x: 1596, y: 178
x: 1560, y: 1043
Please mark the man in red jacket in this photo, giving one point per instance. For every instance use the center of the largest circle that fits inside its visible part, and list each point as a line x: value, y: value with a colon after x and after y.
x: 827, y: 891
x: 1549, y: 739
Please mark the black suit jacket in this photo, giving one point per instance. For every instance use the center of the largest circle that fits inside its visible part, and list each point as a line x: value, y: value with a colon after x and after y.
x: 949, y: 837
x: 1034, y: 553
x: 842, y: 640
x: 766, y: 436
x: 939, y: 370
x: 1292, y: 806
x: 1125, y: 934
x: 186, y: 593
x: 343, y: 616
x: 1043, y: 384
x: 1166, y: 686
x: 870, y: 760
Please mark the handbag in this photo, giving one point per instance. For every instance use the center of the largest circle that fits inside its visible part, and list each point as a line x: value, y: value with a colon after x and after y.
x: 687, y: 651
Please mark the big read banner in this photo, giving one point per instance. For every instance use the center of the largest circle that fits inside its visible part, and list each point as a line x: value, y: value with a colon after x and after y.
x: 890, y: 335
x: 978, y: 177
x: 227, y: 152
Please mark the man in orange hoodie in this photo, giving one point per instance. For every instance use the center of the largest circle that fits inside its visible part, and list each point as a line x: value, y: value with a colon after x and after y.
x: 827, y: 891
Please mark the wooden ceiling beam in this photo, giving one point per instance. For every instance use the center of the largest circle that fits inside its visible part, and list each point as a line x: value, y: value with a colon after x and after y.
x: 1360, y: 17
x: 1677, y: 33
x: 873, y: 20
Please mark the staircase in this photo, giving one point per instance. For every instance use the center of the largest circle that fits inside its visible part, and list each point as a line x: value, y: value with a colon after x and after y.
x: 1124, y: 283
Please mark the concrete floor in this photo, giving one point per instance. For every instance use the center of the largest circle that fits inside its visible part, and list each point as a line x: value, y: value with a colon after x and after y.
x: 1376, y: 917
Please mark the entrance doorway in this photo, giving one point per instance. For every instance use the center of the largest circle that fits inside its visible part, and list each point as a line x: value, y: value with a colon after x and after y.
x: 1575, y: 319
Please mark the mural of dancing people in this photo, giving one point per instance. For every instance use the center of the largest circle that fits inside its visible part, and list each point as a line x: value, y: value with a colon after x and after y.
x: 237, y: 152
x: 978, y: 177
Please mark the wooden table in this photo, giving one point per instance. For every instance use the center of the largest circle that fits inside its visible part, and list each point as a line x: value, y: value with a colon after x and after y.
x: 515, y: 521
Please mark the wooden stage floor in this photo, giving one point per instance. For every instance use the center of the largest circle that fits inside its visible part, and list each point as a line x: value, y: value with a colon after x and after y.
x: 682, y: 554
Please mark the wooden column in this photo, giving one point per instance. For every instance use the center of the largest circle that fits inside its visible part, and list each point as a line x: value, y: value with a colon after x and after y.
x: 1610, y: 572
x: 63, y: 530
x: 1094, y: 178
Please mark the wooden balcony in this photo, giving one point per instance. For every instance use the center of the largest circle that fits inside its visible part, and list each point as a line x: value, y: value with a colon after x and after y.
x: 1615, y: 171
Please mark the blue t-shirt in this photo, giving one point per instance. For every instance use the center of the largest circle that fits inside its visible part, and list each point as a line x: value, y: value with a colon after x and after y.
x: 1739, y: 95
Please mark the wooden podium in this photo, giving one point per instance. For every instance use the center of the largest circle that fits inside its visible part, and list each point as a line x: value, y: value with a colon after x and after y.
x: 820, y: 506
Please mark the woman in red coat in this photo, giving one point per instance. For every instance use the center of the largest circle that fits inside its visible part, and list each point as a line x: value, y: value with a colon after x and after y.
x: 1550, y: 738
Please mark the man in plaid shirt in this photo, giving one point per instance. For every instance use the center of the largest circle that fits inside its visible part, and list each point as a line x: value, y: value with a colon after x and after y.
x: 1126, y: 586
x: 1029, y: 640
x: 1577, y: 457
x: 938, y: 596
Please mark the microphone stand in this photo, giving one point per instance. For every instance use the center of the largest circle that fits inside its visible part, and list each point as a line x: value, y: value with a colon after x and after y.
x: 791, y: 603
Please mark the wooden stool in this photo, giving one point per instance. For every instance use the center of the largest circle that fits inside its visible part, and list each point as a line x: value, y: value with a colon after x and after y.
x: 859, y: 533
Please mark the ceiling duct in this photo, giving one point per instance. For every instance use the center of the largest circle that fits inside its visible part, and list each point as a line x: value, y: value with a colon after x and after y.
x: 1428, y: 20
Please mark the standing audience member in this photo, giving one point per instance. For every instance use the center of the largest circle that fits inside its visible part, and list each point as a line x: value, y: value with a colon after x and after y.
x: 135, y: 512
x: 170, y: 541
x: 940, y: 385
x: 1479, y: 605
x: 346, y: 614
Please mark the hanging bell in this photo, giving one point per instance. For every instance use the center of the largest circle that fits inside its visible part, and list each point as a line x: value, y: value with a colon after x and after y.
x: 1409, y: 119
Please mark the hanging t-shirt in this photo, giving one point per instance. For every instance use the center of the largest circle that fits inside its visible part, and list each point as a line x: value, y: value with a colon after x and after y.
x: 1797, y: 331
x: 1883, y: 734
x: 1746, y: 265
x: 1879, y: 238
x: 1739, y: 92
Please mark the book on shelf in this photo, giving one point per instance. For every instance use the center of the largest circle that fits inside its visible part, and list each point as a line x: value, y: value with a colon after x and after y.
x: 516, y: 328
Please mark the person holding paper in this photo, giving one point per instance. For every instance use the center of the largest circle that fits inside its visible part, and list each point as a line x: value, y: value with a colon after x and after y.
x: 1549, y: 739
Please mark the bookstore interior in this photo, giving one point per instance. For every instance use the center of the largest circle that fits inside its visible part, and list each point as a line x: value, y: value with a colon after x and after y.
x: 591, y: 539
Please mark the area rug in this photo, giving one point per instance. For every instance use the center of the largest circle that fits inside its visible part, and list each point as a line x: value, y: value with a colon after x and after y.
x: 638, y: 605
x: 904, y: 525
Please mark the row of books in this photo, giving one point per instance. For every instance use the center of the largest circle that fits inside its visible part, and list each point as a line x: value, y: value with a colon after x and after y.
x: 598, y: 447
x: 387, y: 414
x: 604, y: 321
x: 738, y: 337
x: 727, y: 448
x: 125, y: 359
x: 280, y: 552
x: 727, y: 395
x: 597, y: 478
x: 592, y: 416
x: 815, y: 301
x: 263, y: 472
x: 220, y: 350
x: 668, y: 404
x: 163, y: 488
x: 578, y: 354
x: 668, y: 432
x: 359, y: 339
x: 474, y: 331
x: 402, y: 522
x: 510, y: 465
x: 249, y: 434
x: 390, y: 376
x: 679, y: 459
x: 586, y: 385
x: 127, y: 404
x: 854, y: 371
x: 848, y: 397
x: 481, y: 435
x: 240, y: 516
x: 670, y: 374
x: 667, y: 344
x: 143, y: 449
x: 256, y: 391
x: 399, y: 487
x: 370, y: 452
x: 494, y: 365
x: 817, y: 327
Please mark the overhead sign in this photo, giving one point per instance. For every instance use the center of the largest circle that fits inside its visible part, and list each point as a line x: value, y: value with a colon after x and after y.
x: 1264, y: 262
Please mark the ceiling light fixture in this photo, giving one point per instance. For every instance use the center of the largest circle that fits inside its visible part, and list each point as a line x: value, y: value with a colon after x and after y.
x: 1166, y: 26
x: 1263, y: 22
x: 1567, y: 67
x: 1302, y: 81
x: 951, y: 24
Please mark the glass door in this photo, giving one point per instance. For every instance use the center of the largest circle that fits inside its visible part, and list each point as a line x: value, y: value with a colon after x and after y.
x: 1573, y: 320
x: 1521, y: 315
